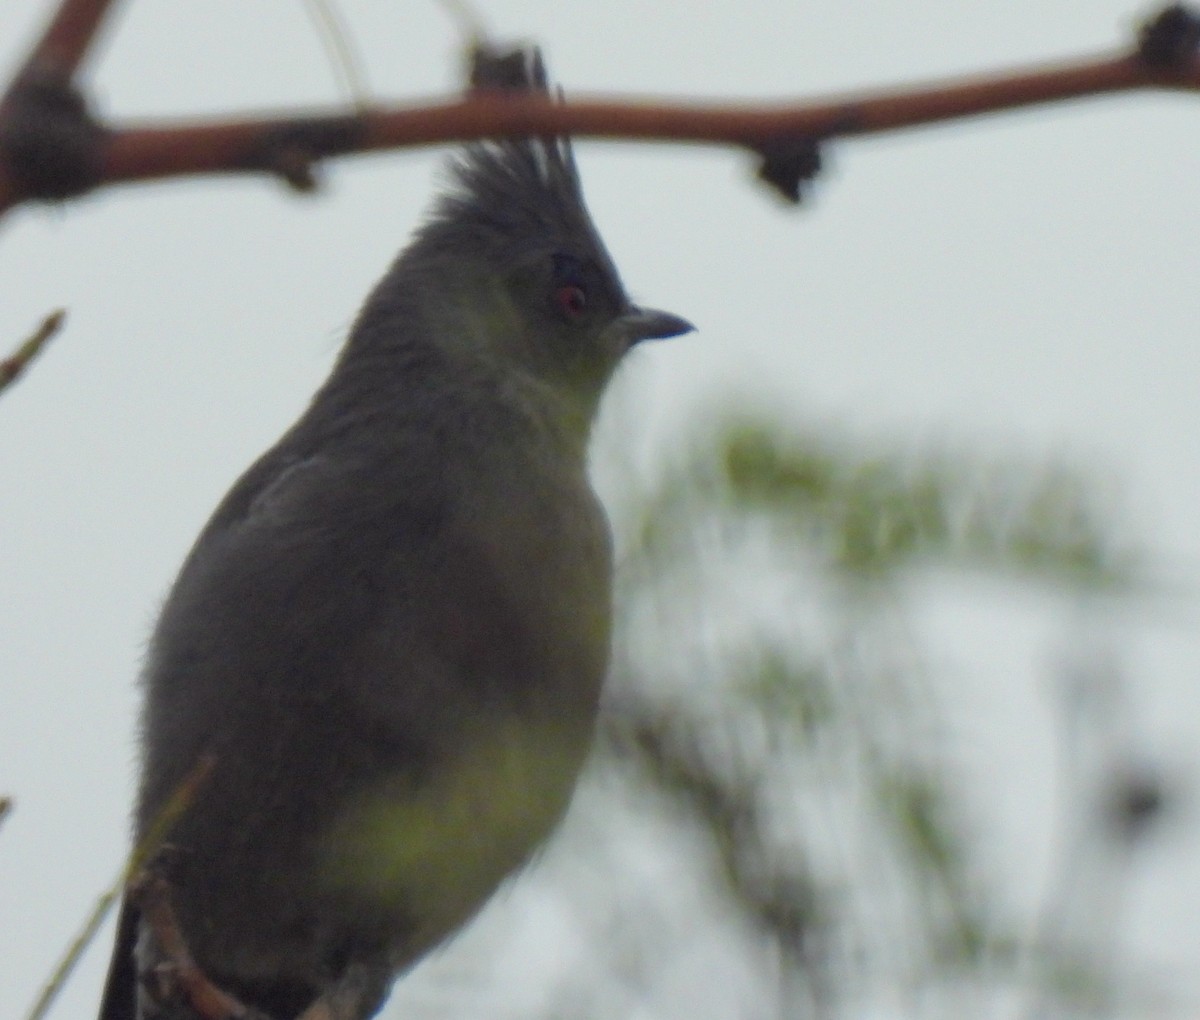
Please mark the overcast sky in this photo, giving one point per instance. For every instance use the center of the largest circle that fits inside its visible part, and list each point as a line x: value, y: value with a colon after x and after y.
x: 1026, y: 281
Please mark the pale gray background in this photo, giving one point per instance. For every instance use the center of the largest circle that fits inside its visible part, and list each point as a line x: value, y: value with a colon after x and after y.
x: 1026, y: 282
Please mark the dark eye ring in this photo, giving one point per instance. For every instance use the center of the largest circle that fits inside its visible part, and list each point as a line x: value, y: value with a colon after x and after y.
x: 571, y: 300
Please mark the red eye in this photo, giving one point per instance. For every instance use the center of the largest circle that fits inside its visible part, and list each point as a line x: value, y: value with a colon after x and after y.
x: 571, y: 300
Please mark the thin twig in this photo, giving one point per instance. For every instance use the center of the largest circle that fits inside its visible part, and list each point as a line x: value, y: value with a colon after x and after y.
x: 339, y: 46
x: 178, y: 802
x: 466, y: 19
x: 16, y: 363
x: 66, y: 39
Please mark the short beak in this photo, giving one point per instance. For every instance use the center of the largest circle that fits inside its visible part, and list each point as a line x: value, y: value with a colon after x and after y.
x: 651, y: 324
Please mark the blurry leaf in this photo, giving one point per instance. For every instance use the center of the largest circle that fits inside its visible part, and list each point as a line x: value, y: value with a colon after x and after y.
x: 782, y: 689
x: 875, y: 513
x: 916, y: 805
x: 761, y: 468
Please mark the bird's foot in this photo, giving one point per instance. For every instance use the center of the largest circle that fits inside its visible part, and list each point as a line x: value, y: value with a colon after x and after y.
x: 172, y: 985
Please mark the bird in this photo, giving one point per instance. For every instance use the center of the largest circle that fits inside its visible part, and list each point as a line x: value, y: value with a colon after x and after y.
x: 389, y: 640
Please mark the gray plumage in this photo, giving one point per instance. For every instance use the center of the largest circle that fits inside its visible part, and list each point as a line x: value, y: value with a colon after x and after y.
x: 392, y: 633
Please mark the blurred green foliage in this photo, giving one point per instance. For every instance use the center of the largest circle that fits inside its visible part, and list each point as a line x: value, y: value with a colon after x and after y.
x: 877, y: 513
x: 771, y: 694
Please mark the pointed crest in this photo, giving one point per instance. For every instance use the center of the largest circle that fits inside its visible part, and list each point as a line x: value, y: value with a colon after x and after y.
x: 514, y: 189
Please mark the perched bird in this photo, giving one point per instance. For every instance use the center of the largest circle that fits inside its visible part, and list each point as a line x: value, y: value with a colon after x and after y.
x: 390, y: 637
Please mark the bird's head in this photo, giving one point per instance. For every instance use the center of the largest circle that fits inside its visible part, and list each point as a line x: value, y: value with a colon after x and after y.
x: 516, y: 260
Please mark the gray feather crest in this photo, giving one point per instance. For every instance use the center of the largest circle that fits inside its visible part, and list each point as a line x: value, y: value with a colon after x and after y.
x: 513, y: 188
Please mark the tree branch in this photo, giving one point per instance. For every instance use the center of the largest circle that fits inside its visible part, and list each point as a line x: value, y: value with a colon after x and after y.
x: 65, y: 41
x: 280, y: 145
x: 12, y: 366
x: 784, y: 135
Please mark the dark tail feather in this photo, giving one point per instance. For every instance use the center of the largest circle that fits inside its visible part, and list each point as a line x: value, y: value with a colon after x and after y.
x: 119, y: 999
